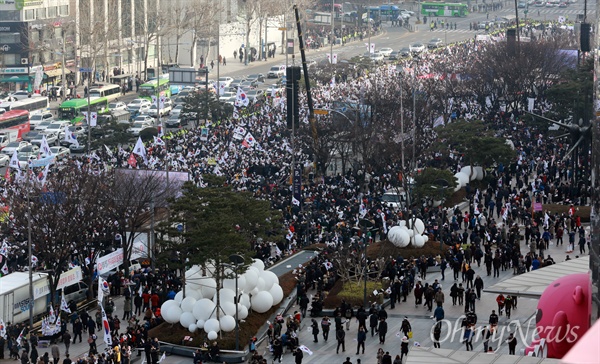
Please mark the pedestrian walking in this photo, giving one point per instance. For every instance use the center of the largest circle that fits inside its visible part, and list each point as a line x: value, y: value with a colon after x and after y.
x: 325, y: 326
x: 340, y: 336
x: 55, y: 353
x: 382, y: 331
x: 67, y: 340
x: 404, y: 348
x: 315, y: 330
x: 361, y: 337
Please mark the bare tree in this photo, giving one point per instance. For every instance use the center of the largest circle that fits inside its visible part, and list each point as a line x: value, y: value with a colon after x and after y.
x: 178, y: 23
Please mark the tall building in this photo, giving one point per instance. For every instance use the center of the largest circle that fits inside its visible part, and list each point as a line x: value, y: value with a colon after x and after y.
x: 106, y: 37
x: 31, y: 39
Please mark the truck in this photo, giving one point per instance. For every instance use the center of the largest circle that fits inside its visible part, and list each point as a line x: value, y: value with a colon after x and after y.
x: 15, y: 300
x: 7, y: 136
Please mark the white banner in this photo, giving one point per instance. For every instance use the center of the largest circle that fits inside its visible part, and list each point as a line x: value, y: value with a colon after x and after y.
x: 69, y: 277
x: 115, y: 259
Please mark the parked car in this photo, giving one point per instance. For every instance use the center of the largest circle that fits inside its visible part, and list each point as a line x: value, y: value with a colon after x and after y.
x: 14, y: 146
x: 405, y: 52
x: 165, y: 110
x: 135, y: 105
x: 248, y: 85
x: 377, y: 57
x: 225, y: 81
x: 24, y: 159
x: 21, y: 95
x: 30, y: 149
x: 56, y: 127
x: 256, y: 77
x: 176, y: 122
x: 4, y: 160
x: 51, y: 139
x: 35, y: 119
x: 276, y: 72
x: 435, y: 43
x: 386, y: 51
x: 43, y: 125
x: 177, y: 110
x: 143, y: 119
x: 60, y: 152
x: 76, y: 292
x: 31, y: 135
x: 119, y: 105
x: 80, y: 147
x: 416, y: 48
x: 138, y: 126
x: 394, y: 56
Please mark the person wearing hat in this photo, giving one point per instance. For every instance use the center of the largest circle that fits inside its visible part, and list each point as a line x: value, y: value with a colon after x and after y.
x: 404, y: 347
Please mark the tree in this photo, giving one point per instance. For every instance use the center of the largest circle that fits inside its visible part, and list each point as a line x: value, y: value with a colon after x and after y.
x: 434, y: 184
x: 65, y: 218
x: 474, y: 141
x: 201, y: 105
x: 573, y: 96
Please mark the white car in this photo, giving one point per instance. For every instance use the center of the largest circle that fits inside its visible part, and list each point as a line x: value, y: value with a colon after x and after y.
x: 56, y: 127
x: 43, y: 125
x: 6, y: 102
x: 137, y: 127
x: 136, y: 104
x: 276, y: 72
x: 377, y: 57
x: 417, y: 48
x: 24, y: 159
x: 165, y: 110
x: 12, y: 146
x: 143, y: 119
x: 51, y: 139
x: 21, y: 95
x: 35, y: 119
x: 117, y: 106
x: 144, y: 109
x: 4, y: 159
x: 225, y: 81
x: 177, y: 110
x: 386, y: 51
x: 60, y: 152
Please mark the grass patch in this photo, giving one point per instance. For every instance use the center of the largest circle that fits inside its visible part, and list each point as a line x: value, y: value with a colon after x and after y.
x: 174, y: 333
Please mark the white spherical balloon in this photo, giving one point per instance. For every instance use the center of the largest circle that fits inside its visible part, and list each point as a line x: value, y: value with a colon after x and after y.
x: 200, y: 324
x: 268, y: 279
x: 203, y: 308
x: 212, y: 335
x: 245, y: 300
x: 463, y: 179
x: 479, y: 173
x: 467, y: 171
x: 165, y: 306
x: 186, y: 319
x: 403, y: 238
x: 410, y: 232
x: 254, y: 292
x: 178, y: 297
x: 393, y: 234
x: 419, y: 226
x: 208, y: 287
x: 260, y: 286
x: 192, y: 271
x: 425, y: 238
x: 229, y: 284
x: 418, y: 241
x: 258, y: 264
x: 187, y: 305
x: 173, y: 314
x: 242, y: 312
x: 211, y: 325
x: 228, y: 308
x: 251, y: 277
x: 241, y: 283
x: 225, y: 295
x: 262, y: 302
x: 227, y: 323
x: 192, y: 291
x: 277, y: 292
x: 193, y: 328
x: 402, y: 223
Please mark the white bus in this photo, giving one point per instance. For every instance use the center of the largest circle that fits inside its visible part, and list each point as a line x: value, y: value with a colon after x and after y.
x: 34, y: 105
x: 111, y: 92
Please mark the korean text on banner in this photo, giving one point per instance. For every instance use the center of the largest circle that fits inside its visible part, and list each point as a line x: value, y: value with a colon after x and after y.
x: 115, y: 259
x: 69, y: 277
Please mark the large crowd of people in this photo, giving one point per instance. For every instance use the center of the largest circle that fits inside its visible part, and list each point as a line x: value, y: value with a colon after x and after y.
x: 254, y: 152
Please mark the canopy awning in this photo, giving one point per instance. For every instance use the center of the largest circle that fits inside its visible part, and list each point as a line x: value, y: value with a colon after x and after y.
x: 532, y: 284
x: 56, y: 73
x: 422, y: 355
x: 23, y: 78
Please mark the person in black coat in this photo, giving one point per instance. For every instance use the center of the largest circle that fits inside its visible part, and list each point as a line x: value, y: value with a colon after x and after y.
x: 298, y: 355
x: 340, y: 336
x: 382, y: 330
x: 373, y: 320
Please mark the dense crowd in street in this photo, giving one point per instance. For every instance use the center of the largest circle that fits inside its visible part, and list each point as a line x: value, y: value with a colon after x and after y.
x: 254, y: 152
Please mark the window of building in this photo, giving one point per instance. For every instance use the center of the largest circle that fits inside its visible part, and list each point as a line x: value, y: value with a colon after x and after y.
x: 10, y: 38
x: 13, y: 15
x: 63, y: 10
x: 52, y: 11
x: 10, y: 59
x: 40, y: 13
x: 29, y: 14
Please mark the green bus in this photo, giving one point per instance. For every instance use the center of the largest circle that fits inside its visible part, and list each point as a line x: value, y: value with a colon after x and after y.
x: 148, y: 89
x: 444, y: 9
x: 71, y: 109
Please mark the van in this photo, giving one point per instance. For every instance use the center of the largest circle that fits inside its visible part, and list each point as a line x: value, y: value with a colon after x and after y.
x: 276, y: 72
x: 76, y: 292
x: 395, y: 199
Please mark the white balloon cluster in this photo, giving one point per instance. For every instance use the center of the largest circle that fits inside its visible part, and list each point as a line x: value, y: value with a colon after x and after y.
x: 465, y: 176
x: 257, y: 289
x: 403, y: 235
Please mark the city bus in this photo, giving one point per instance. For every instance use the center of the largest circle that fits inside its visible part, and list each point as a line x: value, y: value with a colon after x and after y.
x: 16, y: 119
x: 444, y: 9
x: 32, y: 104
x: 71, y: 109
x: 111, y: 92
x: 148, y: 89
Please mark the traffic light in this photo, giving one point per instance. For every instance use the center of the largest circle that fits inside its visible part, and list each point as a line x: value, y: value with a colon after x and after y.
x: 584, y: 37
x: 292, y: 78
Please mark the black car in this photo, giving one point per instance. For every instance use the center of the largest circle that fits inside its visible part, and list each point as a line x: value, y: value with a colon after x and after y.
x: 176, y: 122
x: 394, y: 56
x: 31, y: 135
x: 257, y: 77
